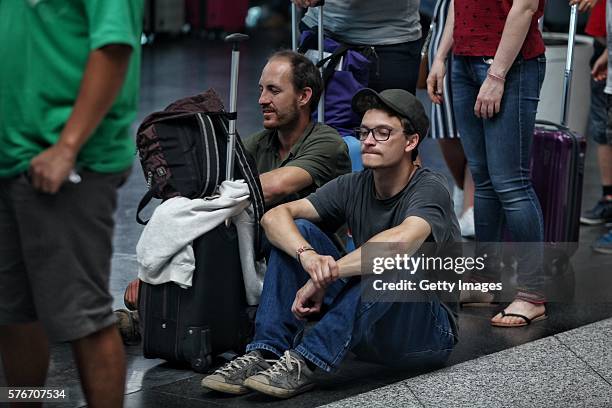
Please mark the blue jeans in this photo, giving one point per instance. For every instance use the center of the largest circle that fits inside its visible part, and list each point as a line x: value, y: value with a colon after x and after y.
x: 497, y: 152
x: 398, y: 334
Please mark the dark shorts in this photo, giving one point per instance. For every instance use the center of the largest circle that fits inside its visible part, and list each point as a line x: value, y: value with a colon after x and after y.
x: 598, y: 114
x: 55, y: 254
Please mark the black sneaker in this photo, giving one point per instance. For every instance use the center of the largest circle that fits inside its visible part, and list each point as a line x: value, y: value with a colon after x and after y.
x: 600, y: 214
x: 288, y: 377
x: 230, y: 378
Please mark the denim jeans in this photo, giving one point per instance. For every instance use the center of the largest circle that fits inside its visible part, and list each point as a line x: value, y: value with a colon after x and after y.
x: 497, y: 152
x: 399, y: 334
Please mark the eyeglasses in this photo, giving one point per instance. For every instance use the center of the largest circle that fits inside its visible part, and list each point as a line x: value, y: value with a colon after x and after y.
x: 381, y: 134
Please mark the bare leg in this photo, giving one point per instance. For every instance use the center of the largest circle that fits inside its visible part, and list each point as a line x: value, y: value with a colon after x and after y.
x: 453, y: 154
x: 468, y: 189
x: 604, y: 157
x: 25, y: 356
x: 101, y: 361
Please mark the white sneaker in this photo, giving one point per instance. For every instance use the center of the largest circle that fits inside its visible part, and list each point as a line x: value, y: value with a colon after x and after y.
x: 457, y: 200
x: 466, y: 223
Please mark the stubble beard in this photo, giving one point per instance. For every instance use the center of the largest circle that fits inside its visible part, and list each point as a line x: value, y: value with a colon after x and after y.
x: 286, y: 120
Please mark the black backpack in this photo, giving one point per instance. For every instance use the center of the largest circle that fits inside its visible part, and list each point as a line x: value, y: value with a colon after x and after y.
x: 182, y: 150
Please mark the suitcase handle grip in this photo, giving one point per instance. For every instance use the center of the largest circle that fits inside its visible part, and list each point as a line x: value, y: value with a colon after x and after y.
x: 551, y: 124
x: 236, y: 38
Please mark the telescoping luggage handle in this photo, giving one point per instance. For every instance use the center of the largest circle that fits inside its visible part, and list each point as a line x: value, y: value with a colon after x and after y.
x: 235, y: 39
x: 569, y: 65
x: 294, y: 46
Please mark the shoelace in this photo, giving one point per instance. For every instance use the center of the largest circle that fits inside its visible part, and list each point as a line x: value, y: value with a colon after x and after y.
x: 237, y: 363
x: 284, y: 364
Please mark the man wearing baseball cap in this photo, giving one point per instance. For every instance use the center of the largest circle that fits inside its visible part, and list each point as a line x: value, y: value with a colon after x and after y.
x: 391, y: 201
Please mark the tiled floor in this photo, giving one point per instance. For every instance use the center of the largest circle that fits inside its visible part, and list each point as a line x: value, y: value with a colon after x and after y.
x: 570, y: 369
x: 173, y: 69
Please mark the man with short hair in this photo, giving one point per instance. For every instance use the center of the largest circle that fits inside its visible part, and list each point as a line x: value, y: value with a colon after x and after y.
x: 294, y: 154
x: 68, y: 93
x: 391, y: 201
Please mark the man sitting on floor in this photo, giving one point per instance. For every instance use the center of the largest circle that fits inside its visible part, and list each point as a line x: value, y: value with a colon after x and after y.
x: 392, y: 201
x: 294, y: 154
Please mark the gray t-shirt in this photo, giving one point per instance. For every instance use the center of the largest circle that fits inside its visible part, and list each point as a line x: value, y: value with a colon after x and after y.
x: 350, y: 198
x: 608, y: 88
x: 369, y: 22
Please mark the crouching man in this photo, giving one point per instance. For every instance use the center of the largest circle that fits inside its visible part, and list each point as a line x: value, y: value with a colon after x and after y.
x: 392, y: 200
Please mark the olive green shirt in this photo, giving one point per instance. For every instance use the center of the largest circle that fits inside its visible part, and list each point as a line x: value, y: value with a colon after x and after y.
x: 320, y: 151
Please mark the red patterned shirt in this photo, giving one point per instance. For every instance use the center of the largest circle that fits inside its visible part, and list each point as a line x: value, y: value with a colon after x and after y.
x: 596, y: 26
x: 479, y: 25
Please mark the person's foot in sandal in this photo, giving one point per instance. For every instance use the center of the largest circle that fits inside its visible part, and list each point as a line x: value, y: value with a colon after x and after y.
x: 519, y: 313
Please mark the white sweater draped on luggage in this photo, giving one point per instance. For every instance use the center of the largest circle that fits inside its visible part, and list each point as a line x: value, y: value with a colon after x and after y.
x: 164, y: 251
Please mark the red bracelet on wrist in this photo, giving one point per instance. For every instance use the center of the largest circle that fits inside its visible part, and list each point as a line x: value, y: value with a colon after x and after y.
x: 300, y: 251
x: 492, y: 75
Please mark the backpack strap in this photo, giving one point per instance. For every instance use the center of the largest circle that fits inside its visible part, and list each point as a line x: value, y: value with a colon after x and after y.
x: 144, y: 201
x: 252, y: 180
x: 310, y: 42
x: 333, y: 59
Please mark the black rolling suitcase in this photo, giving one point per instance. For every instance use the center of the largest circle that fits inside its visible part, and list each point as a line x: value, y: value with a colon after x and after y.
x: 192, y: 326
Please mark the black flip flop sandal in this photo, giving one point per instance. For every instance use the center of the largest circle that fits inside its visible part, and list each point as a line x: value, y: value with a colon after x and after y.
x: 526, y: 321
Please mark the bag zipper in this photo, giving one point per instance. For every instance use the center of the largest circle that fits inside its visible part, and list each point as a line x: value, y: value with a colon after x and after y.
x: 149, y: 179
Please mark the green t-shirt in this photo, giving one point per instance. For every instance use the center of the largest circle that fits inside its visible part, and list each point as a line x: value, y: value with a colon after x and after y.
x: 320, y: 151
x: 44, y: 49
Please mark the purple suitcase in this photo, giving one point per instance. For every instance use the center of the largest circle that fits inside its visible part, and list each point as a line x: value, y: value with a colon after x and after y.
x: 557, y: 163
x: 557, y: 172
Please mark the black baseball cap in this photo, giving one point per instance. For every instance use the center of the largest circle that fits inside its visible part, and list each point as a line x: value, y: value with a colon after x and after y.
x: 399, y: 101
